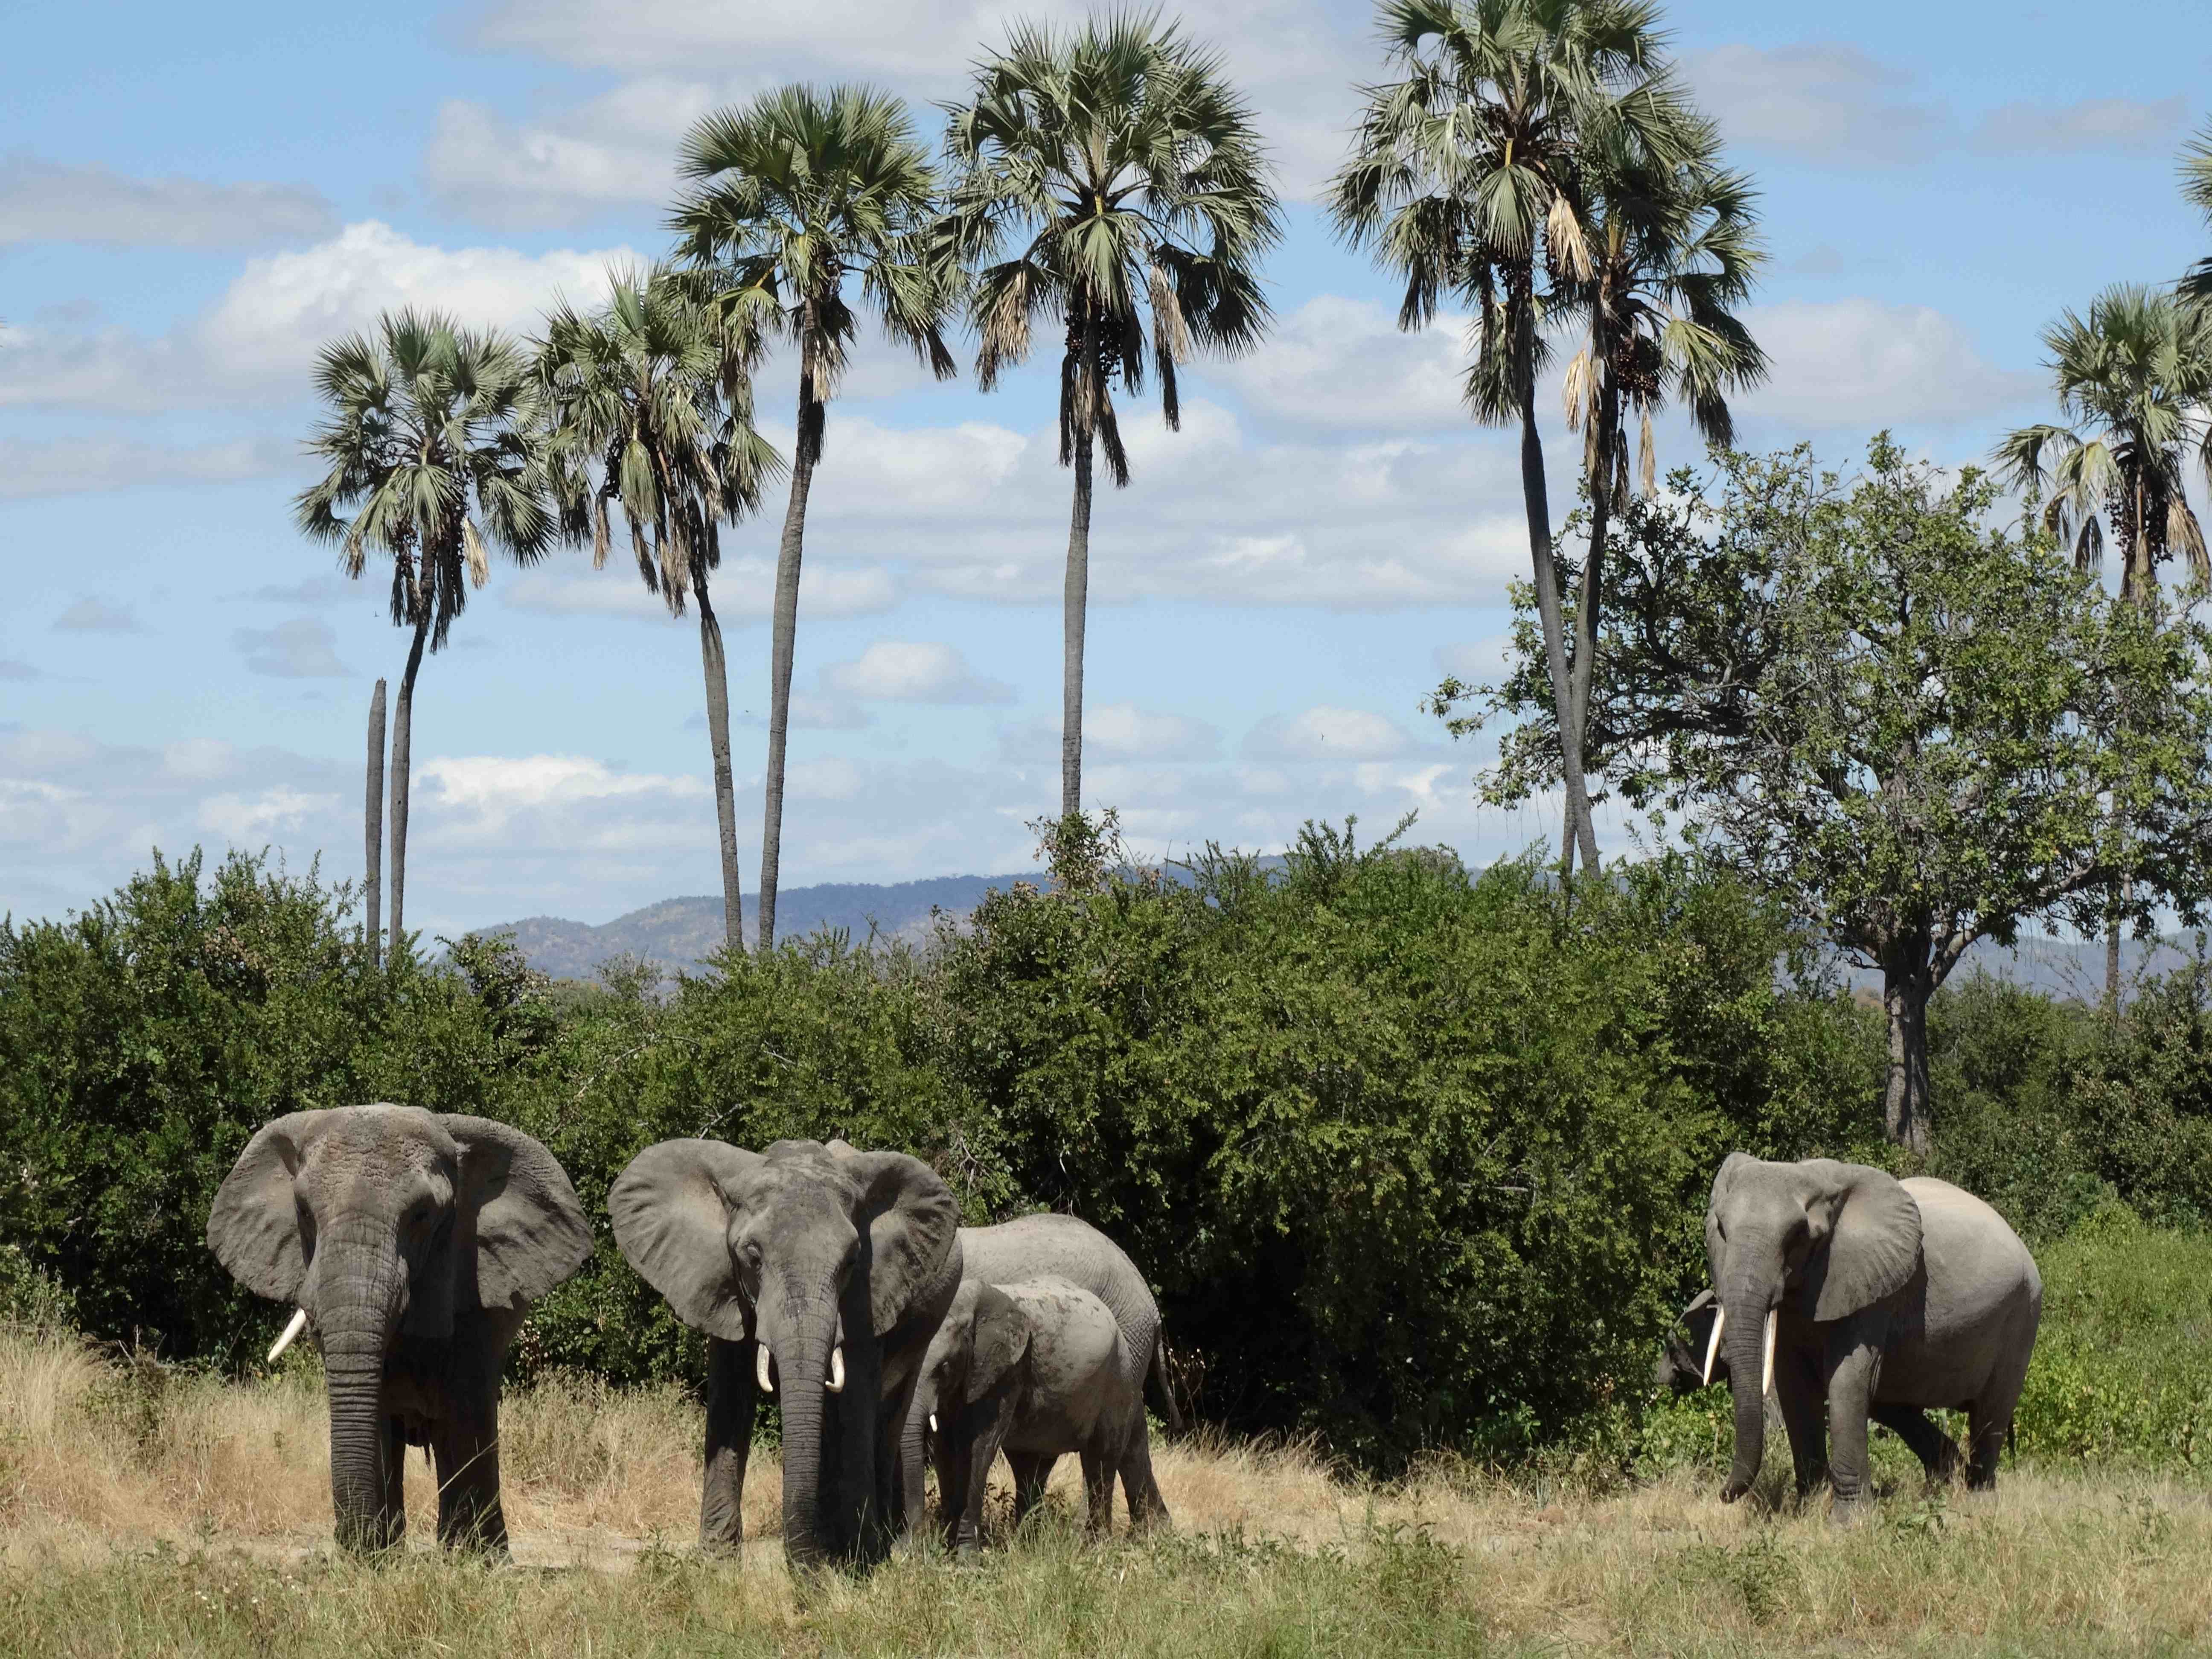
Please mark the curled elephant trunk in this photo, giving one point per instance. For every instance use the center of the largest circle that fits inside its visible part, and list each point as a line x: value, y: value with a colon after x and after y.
x: 1750, y: 1322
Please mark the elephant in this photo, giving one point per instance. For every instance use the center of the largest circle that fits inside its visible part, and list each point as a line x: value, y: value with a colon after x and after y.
x: 1037, y: 1368
x: 413, y: 1243
x: 1063, y: 1247
x: 1843, y: 1288
x: 818, y: 1266
x: 1682, y: 1368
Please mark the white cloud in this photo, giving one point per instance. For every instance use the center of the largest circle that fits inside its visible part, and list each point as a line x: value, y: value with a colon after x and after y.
x: 1336, y: 734
x: 493, y: 789
x: 98, y: 616
x: 614, y: 151
x: 1477, y: 662
x: 2124, y: 126
x: 43, y: 201
x: 1340, y: 362
x: 1860, y: 361
x: 743, y: 591
x: 67, y: 466
x: 910, y: 671
x: 1827, y: 102
x: 302, y: 648
x: 1123, y: 730
x: 261, y: 336
x: 249, y: 820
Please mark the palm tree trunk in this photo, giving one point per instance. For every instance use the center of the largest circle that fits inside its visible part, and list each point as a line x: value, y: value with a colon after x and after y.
x: 804, y: 451
x: 1584, y: 668
x: 403, y: 733
x: 1536, y: 498
x: 716, y: 669
x: 373, y: 829
x: 2134, y: 584
x: 1075, y: 596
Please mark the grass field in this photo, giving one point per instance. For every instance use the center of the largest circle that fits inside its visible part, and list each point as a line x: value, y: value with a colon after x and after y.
x: 143, y: 1511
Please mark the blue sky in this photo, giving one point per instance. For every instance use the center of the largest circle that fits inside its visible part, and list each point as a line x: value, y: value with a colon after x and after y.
x: 180, y: 227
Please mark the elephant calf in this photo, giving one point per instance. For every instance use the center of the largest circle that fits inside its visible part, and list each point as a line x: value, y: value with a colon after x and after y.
x: 1035, y: 1369
x: 412, y: 1242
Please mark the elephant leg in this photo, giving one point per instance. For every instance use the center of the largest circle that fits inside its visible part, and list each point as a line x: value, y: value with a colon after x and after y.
x: 1804, y: 1416
x: 1140, y: 1491
x: 1989, y: 1415
x: 1032, y: 1470
x: 394, y: 1477
x: 732, y: 1399
x: 1937, y: 1452
x: 990, y: 1422
x: 464, y: 1444
x: 1097, y: 1492
x: 955, y: 1460
x: 1855, y: 1370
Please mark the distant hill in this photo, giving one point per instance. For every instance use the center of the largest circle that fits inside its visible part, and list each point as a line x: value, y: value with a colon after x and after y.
x: 682, y: 933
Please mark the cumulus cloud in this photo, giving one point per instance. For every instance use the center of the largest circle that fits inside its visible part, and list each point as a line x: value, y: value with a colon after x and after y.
x: 1857, y: 361
x: 1123, y: 730
x: 302, y: 649
x: 98, y: 616
x: 617, y: 151
x: 247, y: 820
x: 1824, y: 101
x: 1340, y: 362
x: 44, y: 201
x: 1341, y: 734
x: 68, y: 467
x: 743, y: 591
x: 261, y: 336
x: 912, y: 671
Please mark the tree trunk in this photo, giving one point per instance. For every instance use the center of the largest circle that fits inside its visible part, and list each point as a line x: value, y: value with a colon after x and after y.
x: 373, y: 829
x: 716, y: 669
x: 805, y: 451
x: 1584, y: 669
x: 1905, y: 1105
x: 1536, y: 498
x: 403, y: 734
x: 1075, y: 595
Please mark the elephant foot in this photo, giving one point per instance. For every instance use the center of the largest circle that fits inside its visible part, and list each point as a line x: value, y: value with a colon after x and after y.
x: 1733, y: 1490
x: 1851, y: 1509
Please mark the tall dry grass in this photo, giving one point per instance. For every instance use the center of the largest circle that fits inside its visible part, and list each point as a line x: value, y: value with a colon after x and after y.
x: 147, y: 1510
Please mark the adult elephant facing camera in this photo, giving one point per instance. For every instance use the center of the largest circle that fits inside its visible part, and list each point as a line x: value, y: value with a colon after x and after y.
x: 819, y: 1270
x: 1845, y: 1287
x: 413, y: 1243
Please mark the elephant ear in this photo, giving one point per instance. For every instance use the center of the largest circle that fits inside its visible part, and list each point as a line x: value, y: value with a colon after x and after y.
x: 671, y: 1209
x: 254, y: 1226
x: 913, y: 1226
x: 1002, y: 1337
x: 1873, y: 1238
x: 516, y: 1205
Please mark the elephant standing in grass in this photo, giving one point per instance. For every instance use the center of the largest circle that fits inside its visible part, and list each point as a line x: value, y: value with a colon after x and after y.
x: 1854, y: 1294
x: 413, y: 1243
x: 1037, y: 1368
x: 819, y: 1270
x: 1062, y: 1247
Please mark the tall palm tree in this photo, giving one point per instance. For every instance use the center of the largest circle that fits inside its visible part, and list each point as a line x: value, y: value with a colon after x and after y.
x: 2197, y: 188
x: 649, y: 403
x: 2133, y: 377
x: 1672, y: 251
x: 428, y: 445
x: 801, y: 195
x: 1463, y: 180
x: 1111, y: 179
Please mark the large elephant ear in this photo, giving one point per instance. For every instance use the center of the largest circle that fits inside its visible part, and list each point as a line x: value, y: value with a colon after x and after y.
x: 1002, y: 1337
x: 1872, y: 1245
x: 671, y: 1209
x: 913, y: 1224
x: 516, y: 1202
x: 254, y: 1226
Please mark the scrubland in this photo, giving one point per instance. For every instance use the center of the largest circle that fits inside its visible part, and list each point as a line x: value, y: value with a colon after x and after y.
x: 150, y: 1511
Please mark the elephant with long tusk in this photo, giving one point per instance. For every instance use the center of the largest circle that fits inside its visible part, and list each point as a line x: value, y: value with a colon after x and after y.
x: 1852, y: 1294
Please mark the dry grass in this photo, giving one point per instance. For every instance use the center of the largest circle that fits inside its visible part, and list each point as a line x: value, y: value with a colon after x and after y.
x: 142, y: 1511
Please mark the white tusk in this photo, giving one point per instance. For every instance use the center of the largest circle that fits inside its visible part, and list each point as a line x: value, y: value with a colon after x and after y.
x: 932, y: 1422
x: 299, y: 1323
x: 1713, y: 1344
x: 1766, y: 1370
x: 836, y: 1382
x: 760, y: 1368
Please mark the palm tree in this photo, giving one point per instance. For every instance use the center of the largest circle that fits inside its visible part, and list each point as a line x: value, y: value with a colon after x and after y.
x: 649, y: 403
x: 2196, y: 187
x: 428, y: 440
x: 802, y: 193
x: 1673, y: 250
x: 2133, y: 377
x: 1121, y: 179
x: 1463, y: 180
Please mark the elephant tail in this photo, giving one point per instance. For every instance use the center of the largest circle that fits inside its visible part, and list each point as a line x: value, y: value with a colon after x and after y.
x: 1160, y: 1377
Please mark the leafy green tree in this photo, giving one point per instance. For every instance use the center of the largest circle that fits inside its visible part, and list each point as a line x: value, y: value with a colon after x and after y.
x: 649, y: 403
x: 1903, y: 725
x: 1464, y: 181
x: 1112, y: 180
x: 430, y: 449
x: 1673, y: 250
x: 800, y: 197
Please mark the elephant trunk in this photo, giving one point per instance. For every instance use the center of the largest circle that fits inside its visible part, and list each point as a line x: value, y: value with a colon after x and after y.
x: 358, y: 1305
x: 810, y: 1534
x: 1744, y: 1342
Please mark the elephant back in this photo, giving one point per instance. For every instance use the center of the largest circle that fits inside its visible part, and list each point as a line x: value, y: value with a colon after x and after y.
x: 1976, y: 1263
